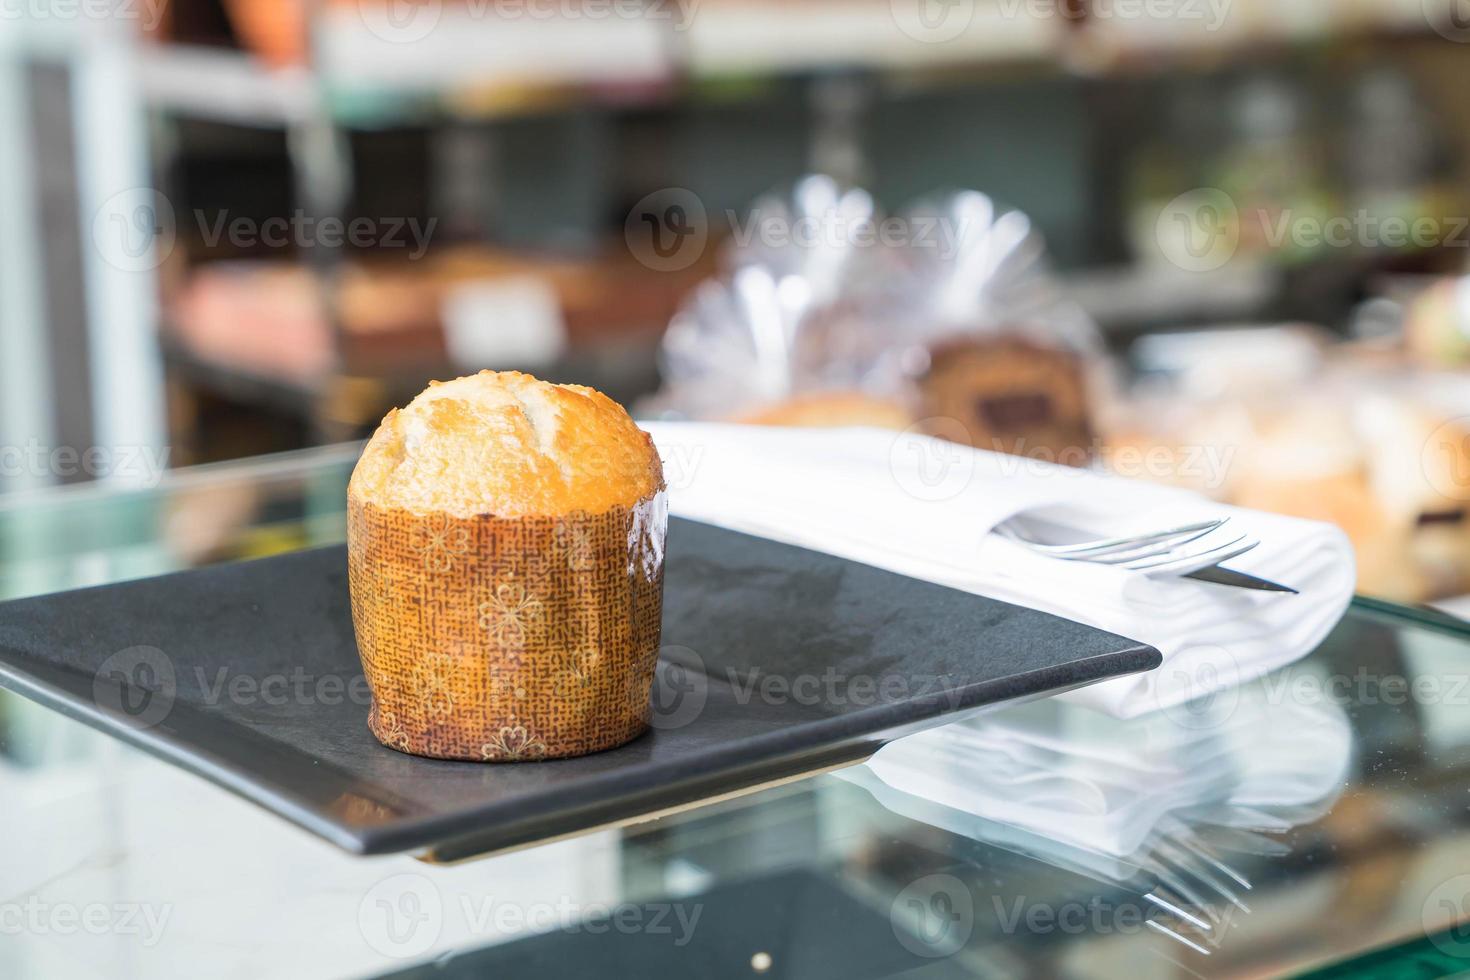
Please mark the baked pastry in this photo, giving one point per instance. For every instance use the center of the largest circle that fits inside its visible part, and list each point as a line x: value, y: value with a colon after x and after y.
x: 1385, y: 561
x: 505, y: 553
x: 1437, y: 324
x: 832, y: 409
x: 1009, y: 395
x: 1421, y: 478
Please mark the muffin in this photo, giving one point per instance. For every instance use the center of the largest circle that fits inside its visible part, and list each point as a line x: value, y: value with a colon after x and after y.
x: 505, y: 556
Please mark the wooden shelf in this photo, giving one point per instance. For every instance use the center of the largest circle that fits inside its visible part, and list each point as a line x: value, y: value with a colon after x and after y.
x: 472, y: 62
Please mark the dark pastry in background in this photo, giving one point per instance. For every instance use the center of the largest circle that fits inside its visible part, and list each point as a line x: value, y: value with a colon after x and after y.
x: 1008, y: 395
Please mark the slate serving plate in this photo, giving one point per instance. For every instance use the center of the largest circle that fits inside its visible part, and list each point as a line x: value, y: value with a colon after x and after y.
x: 777, y: 662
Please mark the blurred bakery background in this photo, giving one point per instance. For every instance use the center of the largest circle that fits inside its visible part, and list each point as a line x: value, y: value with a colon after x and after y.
x: 1216, y: 242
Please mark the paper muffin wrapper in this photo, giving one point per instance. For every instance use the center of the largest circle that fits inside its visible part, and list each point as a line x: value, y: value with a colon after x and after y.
x: 498, y: 639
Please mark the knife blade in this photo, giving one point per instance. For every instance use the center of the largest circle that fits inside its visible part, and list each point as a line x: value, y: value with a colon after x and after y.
x: 1220, y: 575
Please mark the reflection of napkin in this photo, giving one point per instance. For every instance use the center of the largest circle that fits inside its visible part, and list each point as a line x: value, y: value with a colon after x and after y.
x: 1105, y: 785
x: 924, y: 508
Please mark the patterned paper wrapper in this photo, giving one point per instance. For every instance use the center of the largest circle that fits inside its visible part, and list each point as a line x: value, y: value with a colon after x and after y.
x: 498, y: 639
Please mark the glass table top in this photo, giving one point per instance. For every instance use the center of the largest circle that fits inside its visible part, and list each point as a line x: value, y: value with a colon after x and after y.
x: 1307, y: 821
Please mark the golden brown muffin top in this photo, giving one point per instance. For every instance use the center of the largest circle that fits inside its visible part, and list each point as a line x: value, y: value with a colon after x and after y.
x: 505, y: 444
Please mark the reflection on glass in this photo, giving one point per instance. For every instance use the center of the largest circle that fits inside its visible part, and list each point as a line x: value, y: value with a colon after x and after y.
x: 1156, y: 805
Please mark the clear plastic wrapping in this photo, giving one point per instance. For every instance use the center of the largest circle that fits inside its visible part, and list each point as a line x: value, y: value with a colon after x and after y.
x: 981, y: 269
x: 823, y: 295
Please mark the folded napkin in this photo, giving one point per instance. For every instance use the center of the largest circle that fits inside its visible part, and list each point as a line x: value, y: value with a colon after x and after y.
x: 924, y: 507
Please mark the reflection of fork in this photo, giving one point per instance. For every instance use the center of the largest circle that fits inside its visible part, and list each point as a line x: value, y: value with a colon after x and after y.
x: 1187, y: 869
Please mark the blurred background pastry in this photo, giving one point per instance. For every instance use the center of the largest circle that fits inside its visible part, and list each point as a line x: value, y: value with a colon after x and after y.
x: 833, y: 409
x: 1437, y: 324
x: 1374, y: 444
x: 1009, y: 395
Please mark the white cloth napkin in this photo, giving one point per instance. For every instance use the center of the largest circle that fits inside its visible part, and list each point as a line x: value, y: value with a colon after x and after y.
x: 924, y: 508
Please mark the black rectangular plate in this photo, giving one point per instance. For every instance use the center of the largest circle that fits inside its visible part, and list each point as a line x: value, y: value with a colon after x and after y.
x: 777, y: 661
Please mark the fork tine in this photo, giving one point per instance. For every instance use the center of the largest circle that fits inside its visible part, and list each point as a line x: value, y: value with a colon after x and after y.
x: 1207, y: 854
x: 1176, y: 889
x: 1156, y: 553
x: 1178, y: 909
x: 1184, y: 564
x: 1174, y: 555
x: 1186, y: 862
x: 1156, y: 549
x: 1178, y: 536
x: 1104, y: 545
x: 1156, y: 926
x: 1182, y: 836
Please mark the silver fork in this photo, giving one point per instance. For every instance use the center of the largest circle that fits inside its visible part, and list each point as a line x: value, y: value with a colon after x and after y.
x: 1182, y: 551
